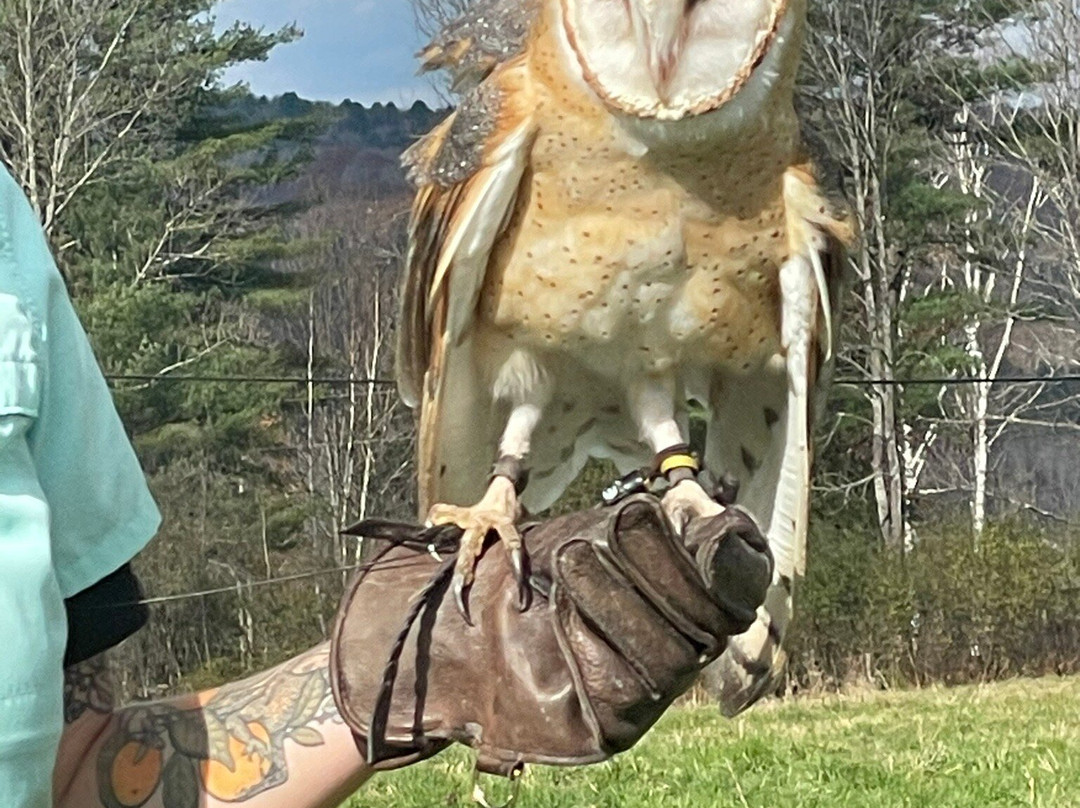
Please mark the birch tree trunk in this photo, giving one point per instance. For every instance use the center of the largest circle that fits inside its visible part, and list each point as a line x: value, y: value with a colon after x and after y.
x: 1020, y: 239
x: 854, y: 61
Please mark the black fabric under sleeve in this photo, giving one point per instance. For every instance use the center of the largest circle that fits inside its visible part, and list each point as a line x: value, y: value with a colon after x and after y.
x: 103, y: 615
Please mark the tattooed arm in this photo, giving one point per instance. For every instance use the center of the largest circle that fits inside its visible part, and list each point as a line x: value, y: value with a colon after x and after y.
x: 275, y: 739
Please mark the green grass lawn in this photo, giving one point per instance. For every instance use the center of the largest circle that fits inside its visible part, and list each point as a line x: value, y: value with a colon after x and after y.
x: 1008, y: 744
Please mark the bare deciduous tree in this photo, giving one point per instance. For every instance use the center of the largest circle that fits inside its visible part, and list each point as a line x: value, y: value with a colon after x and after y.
x: 858, y: 70
x: 357, y: 442
x: 1028, y: 145
x: 84, y: 85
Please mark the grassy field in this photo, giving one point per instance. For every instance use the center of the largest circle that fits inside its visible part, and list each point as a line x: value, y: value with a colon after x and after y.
x: 1013, y: 744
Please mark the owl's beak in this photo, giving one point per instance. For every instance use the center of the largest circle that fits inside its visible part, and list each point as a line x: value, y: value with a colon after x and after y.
x: 661, y: 28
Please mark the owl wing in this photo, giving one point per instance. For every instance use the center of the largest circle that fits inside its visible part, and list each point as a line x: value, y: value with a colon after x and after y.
x: 487, y: 34
x: 775, y: 444
x: 469, y: 171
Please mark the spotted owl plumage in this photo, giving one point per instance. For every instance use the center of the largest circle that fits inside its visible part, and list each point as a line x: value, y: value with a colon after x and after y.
x: 580, y: 242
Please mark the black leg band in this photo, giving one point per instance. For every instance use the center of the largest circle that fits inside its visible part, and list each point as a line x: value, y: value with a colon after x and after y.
x: 513, y: 469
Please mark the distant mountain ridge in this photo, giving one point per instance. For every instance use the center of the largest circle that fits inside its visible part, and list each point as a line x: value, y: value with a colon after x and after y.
x: 376, y: 126
x: 359, y: 151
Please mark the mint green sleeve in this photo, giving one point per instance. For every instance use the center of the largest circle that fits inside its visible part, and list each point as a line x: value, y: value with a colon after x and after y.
x: 32, y: 625
x: 101, y: 511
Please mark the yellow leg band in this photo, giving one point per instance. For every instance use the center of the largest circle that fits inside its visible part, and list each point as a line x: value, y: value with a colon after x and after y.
x: 678, y: 461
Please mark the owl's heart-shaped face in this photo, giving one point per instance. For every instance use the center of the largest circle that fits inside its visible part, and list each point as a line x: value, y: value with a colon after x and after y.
x: 669, y: 59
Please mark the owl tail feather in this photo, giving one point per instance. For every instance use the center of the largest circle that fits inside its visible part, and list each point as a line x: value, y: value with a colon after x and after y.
x: 752, y: 666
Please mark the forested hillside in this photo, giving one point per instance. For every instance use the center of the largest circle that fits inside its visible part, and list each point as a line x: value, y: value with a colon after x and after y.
x: 326, y: 452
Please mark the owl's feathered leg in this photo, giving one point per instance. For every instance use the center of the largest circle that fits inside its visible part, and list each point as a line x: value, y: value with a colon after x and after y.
x: 652, y: 403
x: 526, y: 386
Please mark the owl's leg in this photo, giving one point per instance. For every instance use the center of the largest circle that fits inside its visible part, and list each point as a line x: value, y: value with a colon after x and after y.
x: 652, y: 403
x: 522, y: 383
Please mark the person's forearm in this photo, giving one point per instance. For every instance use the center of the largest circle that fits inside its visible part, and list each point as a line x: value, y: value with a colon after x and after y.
x: 275, y: 739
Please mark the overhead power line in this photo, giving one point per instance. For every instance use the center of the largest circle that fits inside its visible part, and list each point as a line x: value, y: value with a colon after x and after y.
x: 379, y: 382
x: 262, y: 582
x: 959, y: 380
x: 334, y: 380
x: 1071, y: 378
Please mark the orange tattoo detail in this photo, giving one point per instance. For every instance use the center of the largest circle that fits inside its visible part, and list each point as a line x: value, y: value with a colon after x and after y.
x: 245, y: 771
x: 136, y: 771
x: 231, y: 747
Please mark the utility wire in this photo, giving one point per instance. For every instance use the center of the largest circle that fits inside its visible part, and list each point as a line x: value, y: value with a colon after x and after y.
x: 378, y: 382
x: 944, y: 381
x: 961, y: 380
x: 153, y: 601
x: 136, y: 377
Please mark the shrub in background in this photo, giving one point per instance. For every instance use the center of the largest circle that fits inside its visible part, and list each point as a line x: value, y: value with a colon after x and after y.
x: 952, y: 609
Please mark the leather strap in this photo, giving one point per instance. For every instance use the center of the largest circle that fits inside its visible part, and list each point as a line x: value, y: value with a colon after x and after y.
x: 378, y: 750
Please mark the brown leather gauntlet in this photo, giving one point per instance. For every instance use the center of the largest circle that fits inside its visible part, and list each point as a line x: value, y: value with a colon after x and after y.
x: 624, y: 615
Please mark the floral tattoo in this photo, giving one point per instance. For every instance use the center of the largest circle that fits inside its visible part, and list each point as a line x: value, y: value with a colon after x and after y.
x: 231, y: 747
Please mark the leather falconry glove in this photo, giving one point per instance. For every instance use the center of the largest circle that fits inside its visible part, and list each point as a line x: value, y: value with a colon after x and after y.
x: 624, y: 614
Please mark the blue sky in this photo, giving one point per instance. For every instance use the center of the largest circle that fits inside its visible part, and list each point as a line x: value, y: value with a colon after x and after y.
x: 357, y: 49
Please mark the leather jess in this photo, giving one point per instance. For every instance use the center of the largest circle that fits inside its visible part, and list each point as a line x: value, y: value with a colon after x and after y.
x: 624, y: 615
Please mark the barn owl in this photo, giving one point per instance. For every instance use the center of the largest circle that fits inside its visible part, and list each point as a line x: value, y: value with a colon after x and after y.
x: 617, y: 224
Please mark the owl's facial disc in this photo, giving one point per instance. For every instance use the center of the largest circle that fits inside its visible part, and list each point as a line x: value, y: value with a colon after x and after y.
x: 661, y: 28
x: 669, y: 59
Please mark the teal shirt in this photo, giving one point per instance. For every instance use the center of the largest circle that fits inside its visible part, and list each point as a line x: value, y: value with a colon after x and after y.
x: 74, y: 505
x: 100, y: 510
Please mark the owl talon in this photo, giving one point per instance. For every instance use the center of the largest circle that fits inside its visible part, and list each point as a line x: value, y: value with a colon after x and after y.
x: 496, y: 512
x: 517, y: 562
x: 472, y: 544
x: 460, y: 586
x: 727, y: 490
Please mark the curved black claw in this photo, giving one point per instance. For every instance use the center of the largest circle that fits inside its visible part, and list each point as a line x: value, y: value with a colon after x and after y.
x: 460, y: 599
x: 524, y: 593
x: 724, y: 489
x: 727, y: 490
